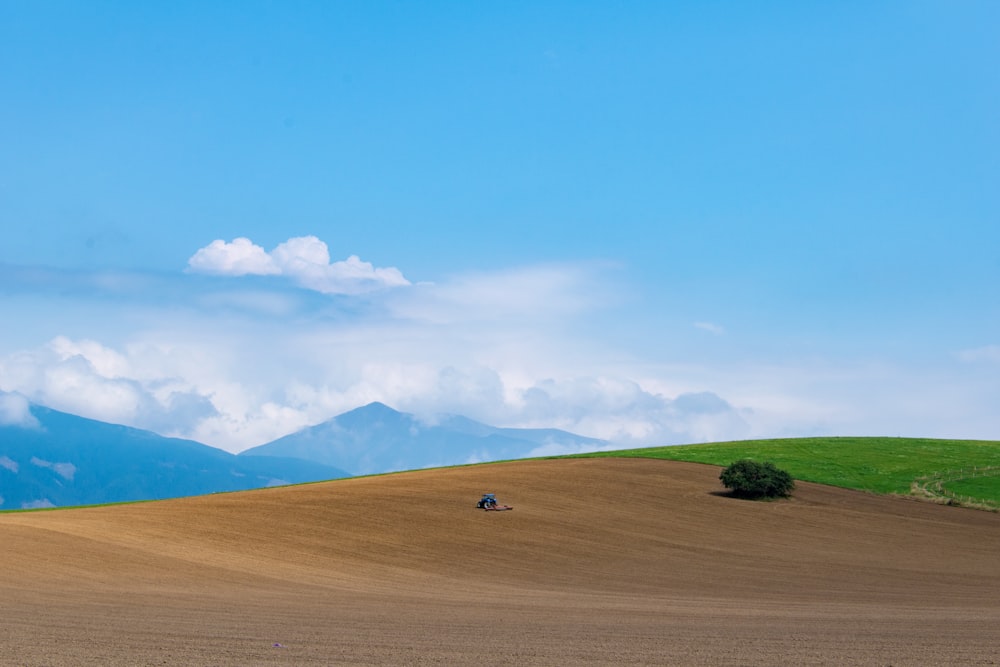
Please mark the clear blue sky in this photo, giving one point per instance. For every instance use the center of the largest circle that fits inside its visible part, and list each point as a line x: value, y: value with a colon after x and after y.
x: 649, y: 221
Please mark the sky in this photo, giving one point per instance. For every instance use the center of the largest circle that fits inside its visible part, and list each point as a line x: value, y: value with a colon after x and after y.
x: 650, y: 222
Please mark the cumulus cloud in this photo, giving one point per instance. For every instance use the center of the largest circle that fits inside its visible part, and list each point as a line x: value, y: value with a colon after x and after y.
x: 87, y: 378
x: 239, y: 258
x: 628, y: 414
x: 304, y: 259
x: 16, y: 411
x: 9, y: 464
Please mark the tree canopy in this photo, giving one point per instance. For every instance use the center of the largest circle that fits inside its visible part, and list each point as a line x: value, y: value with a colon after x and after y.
x: 757, y: 480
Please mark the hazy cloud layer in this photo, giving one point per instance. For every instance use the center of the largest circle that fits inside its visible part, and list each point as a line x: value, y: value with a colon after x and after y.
x: 305, y: 259
x: 507, y: 347
x: 236, y: 362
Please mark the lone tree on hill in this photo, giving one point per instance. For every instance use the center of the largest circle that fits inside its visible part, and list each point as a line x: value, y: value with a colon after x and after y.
x: 756, y: 480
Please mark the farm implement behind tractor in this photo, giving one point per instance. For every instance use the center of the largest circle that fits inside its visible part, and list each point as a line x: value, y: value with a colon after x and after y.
x: 489, y: 503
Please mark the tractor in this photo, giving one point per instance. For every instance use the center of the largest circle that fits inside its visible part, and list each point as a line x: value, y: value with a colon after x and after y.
x: 489, y: 502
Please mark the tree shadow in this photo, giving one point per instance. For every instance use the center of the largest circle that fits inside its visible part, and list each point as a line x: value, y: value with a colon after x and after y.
x: 735, y: 496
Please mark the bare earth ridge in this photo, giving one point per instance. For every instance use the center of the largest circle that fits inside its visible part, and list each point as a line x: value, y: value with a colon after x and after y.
x: 602, y: 561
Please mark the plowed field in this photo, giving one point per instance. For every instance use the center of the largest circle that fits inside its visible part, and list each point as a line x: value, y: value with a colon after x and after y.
x: 602, y: 561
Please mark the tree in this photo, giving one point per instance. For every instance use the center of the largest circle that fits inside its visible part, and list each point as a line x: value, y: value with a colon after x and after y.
x: 757, y: 480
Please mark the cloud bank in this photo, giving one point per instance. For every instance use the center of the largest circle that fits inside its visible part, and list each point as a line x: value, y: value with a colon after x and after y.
x: 239, y: 362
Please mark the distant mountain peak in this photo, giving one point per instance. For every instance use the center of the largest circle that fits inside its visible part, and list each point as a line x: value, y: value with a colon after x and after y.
x: 375, y: 438
x: 374, y: 406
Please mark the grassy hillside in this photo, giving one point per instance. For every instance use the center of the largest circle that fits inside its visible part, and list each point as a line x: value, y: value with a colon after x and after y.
x: 881, y: 465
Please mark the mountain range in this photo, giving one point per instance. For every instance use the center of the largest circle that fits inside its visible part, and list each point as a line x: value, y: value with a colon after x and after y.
x: 55, y: 459
x: 376, y: 438
x: 61, y: 459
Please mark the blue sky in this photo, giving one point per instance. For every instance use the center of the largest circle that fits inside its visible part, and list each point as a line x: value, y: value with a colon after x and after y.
x: 651, y: 222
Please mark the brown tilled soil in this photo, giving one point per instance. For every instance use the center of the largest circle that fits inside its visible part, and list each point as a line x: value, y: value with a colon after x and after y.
x: 602, y: 562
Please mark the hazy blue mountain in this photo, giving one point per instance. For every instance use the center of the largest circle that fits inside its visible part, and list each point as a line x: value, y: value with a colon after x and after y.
x: 375, y: 438
x: 64, y: 460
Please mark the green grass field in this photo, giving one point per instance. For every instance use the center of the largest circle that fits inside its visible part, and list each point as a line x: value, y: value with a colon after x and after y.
x: 880, y: 465
x: 984, y: 488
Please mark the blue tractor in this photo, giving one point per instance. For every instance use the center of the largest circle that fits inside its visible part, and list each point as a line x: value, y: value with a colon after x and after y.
x: 489, y: 502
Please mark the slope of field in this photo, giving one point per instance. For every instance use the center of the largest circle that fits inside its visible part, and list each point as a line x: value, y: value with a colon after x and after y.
x: 603, y: 561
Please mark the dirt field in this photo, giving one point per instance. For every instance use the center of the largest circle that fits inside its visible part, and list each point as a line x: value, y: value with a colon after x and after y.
x: 602, y: 562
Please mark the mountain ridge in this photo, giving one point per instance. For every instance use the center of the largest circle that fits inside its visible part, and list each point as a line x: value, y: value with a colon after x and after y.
x: 50, y: 458
x: 58, y: 459
x: 376, y: 438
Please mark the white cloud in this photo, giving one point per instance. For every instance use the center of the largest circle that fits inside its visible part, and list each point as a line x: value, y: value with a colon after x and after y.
x: 305, y: 259
x: 9, y: 464
x: 301, y: 254
x: 104, y: 361
x: 628, y: 414
x: 16, y: 411
x: 92, y: 380
x: 239, y: 258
